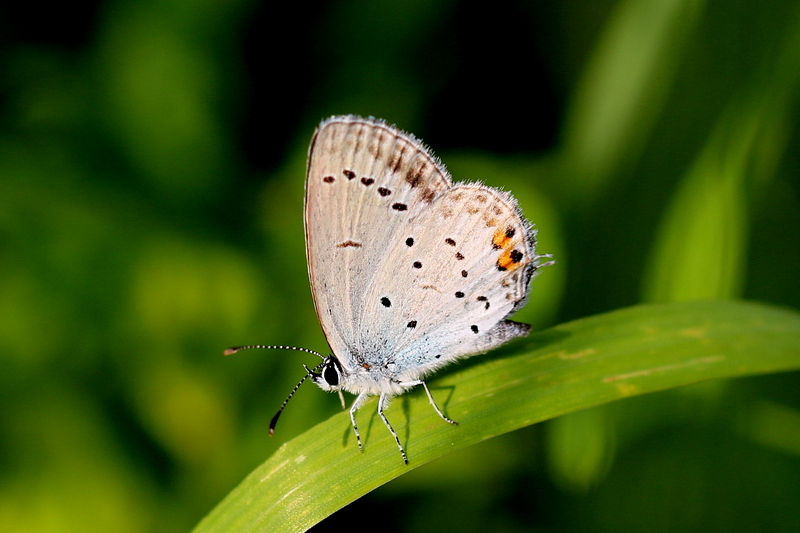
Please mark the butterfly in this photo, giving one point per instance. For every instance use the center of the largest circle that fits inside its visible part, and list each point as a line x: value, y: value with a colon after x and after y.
x: 409, y: 271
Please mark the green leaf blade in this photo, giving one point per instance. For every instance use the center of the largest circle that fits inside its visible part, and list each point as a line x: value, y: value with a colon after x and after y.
x: 570, y: 367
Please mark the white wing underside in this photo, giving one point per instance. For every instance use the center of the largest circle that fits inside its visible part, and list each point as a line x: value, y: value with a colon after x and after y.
x: 408, y: 271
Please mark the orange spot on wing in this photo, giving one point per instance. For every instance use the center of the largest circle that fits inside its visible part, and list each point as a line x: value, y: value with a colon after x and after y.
x: 507, y: 261
x: 500, y: 239
x: 510, y: 258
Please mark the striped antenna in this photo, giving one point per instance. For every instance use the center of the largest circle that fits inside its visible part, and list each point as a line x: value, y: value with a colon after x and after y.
x: 231, y: 351
x: 309, y: 373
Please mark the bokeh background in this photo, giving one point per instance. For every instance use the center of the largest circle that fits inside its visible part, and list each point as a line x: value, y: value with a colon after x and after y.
x: 151, y: 178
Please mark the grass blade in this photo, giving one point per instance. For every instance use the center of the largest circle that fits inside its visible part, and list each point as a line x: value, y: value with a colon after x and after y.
x: 569, y: 367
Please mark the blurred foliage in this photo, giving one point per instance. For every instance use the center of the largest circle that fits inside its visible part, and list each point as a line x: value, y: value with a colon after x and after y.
x: 151, y: 176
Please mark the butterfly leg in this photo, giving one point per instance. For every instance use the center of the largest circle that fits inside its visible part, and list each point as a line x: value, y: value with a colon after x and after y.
x: 383, y: 403
x: 341, y: 399
x: 439, y: 412
x: 353, y: 408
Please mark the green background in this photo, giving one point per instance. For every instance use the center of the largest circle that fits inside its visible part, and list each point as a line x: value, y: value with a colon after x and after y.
x: 151, y: 175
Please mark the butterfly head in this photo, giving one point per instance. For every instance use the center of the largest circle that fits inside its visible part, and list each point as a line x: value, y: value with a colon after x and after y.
x: 329, y: 376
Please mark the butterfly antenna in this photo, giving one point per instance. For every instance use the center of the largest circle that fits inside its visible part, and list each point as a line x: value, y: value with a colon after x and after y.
x: 309, y: 373
x: 231, y: 351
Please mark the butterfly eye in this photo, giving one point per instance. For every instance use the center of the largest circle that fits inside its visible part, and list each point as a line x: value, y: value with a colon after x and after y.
x: 331, y: 374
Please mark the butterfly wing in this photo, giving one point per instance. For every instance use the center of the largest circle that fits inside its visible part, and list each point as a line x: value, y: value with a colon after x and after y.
x: 468, y: 269
x: 364, y: 180
x: 408, y: 271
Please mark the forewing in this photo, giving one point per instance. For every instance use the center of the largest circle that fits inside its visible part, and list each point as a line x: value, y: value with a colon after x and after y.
x: 365, y: 181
